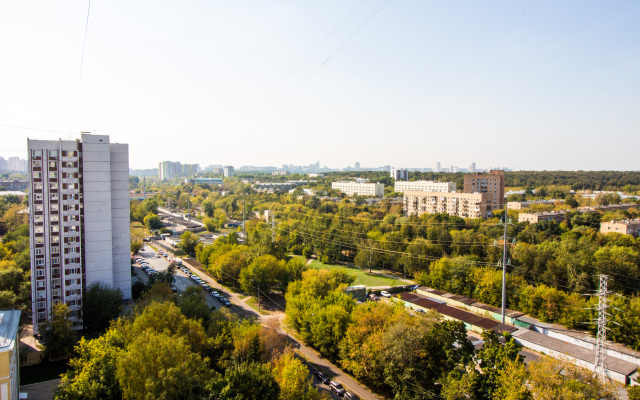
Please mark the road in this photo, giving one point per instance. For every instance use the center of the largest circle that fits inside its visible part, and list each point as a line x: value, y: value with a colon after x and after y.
x: 314, y: 362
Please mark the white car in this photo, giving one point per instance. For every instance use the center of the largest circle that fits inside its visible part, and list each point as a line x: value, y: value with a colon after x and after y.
x: 384, y: 293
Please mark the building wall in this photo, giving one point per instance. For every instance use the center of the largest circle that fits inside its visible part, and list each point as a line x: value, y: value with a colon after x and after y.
x: 425, y: 186
x: 624, y: 227
x: 9, y: 355
x: 359, y: 188
x: 464, y: 205
x: 492, y: 184
x: 120, y: 218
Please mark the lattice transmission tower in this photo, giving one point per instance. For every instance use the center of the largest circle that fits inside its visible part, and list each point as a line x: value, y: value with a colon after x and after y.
x: 601, y: 340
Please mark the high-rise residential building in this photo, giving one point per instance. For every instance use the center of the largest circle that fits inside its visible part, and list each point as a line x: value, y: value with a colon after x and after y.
x: 78, y: 221
x: 228, y: 171
x: 425, y: 186
x: 492, y: 184
x: 172, y: 169
x: 438, y: 167
x: 359, y: 188
x: 465, y: 205
x: 472, y: 168
x: 400, y: 174
x: 9, y: 355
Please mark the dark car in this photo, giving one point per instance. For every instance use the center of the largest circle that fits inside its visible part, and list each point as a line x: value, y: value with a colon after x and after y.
x: 337, y: 388
x: 322, y: 377
x: 351, y: 396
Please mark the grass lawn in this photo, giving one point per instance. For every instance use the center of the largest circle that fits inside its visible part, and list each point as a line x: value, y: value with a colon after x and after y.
x: 254, y: 304
x: 363, y: 277
x: 42, y: 372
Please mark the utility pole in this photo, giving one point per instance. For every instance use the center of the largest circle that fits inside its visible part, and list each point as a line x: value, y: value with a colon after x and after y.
x: 504, y: 264
x: 273, y: 226
x: 601, y: 340
x: 244, y: 231
x: 258, y: 297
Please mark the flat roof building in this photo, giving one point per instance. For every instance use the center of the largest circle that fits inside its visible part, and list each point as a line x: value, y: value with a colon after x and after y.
x: 400, y: 174
x: 492, y: 184
x: 359, y: 188
x: 626, y: 227
x: 79, y: 221
x: 521, y: 205
x: 533, y: 218
x: 9, y: 355
x: 464, y: 205
x: 425, y: 186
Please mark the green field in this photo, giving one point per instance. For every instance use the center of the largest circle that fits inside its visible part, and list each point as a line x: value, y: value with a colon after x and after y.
x: 362, y: 276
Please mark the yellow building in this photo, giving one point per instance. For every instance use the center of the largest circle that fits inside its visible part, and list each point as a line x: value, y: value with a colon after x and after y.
x: 9, y: 357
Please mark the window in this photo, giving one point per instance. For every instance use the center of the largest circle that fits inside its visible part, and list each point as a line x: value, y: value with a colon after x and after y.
x: 39, y: 262
x: 53, y: 175
x: 39, y: 207
x: 53, y: 186
x: 42, y: 304
x: 55, y: 271
x: 41, y: 294
x: 55, y: 228
x: 56, y: 281
x: 55, y: 260
x: 55, y: 218
x: 53, y: 196
x: 37, y: 186
x: 37, y: 153
x: 52, y: 164
x: 38, y: 196
x: 37, y: 175
x: 55, y: 239
x: 39, y: 251
x: 53, y: 153
x: 39, y: 272
x: 38, y: 219
x: 55, y: 249
x: 37, y: 164
x: 40, y: 284
x: 39, y: 229
x: 39, y: 240
x: 42, y: 316
x: 56, y: 292
x: 54, y: 207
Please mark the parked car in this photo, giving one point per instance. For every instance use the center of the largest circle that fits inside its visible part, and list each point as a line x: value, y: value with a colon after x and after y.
x: 414, y: 287
x: 322, y: 377
x: 337, y: 388
x: 174, y: 289
x: 351, y: 396
x: 373, y: 297
x: 384, y: 293
x: 158, y: 255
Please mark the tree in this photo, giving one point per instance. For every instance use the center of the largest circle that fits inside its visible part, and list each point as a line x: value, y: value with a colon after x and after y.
x: 210, y: 223
x: 193, y: 304
x: 263, y: 272
x: 151, y: 221
x: 227, y: 267
x: 57, y: 331
x: 250, y: 381
x: 293, y: 378
x: 161, y: 366
x: 188, y: 242
x: 101, y: 305
x: 136, y: 245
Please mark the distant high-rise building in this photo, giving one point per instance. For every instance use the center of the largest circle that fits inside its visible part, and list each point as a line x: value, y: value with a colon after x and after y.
x: 492, y: 184
x: 228, y: 171
x: 472, y: 168
x: 78, y: 221
x: 357, y: 166
x: 400, y: 174
x: 438, y: 167
x: 172, y: 169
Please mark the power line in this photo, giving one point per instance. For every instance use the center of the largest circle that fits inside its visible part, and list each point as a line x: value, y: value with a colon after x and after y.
x: 84, y: 43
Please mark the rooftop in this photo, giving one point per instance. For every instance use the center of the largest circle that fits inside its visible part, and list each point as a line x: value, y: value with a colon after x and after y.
x: 9, y: 321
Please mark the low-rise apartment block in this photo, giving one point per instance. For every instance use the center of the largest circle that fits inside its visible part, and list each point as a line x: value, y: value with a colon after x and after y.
x: 425, y: 186
x: 533, y: 218
x: 521, y: 205
x: 9, y: 355
x: 464, y: 205
x: 359, y: 188
x: 626, y: 227
x: 611, y: 207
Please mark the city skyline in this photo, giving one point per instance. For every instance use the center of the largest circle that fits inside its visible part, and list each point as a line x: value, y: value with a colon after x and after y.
x: 377, y: 81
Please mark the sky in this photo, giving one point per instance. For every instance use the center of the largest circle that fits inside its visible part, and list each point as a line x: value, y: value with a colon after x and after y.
x: 542, y: 85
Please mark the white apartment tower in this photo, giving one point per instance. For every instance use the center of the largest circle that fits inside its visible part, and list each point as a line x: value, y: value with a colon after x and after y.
x: 78, y: 221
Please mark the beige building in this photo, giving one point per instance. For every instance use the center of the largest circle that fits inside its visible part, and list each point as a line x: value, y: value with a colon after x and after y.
x: 533, y: 218
x: 465, y: 205
x: 626, y: 227
x: 359, y: 188
x: 9, y: 355
x: 521, y: 205
x: 424, y: 186
x: 492, y: 184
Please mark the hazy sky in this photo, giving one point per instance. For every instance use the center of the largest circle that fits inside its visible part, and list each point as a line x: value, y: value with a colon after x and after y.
x: 535, y: 85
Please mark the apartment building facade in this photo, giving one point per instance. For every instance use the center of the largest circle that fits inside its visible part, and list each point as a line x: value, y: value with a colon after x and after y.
x: 425, y: 186
x: 464, y: 205
x: 491, y: 184
x: 626, y: 227
x: 78, y: 221
x: 359, y: 188
x: 400, y: 174
x: 173, y: 169
x: 9, y: 355
x: 532, y: 218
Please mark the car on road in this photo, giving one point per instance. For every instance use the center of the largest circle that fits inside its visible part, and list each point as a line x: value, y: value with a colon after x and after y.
x: 351, y: 396
x: 384, y: 293
x: 337, y: 388
x: 215, y: 294
x: 373, y: 297
x: 158, y: 255
x: 414, y: 287
x: 225, y: 302
x: 322, y: 377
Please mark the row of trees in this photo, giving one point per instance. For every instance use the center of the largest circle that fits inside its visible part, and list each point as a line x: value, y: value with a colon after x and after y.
x: 165, y: 351
x: 421, y: 356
